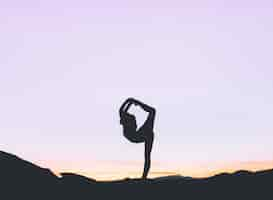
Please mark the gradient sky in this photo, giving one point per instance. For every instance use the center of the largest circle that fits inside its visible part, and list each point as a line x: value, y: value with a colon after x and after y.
x: 206, y: 65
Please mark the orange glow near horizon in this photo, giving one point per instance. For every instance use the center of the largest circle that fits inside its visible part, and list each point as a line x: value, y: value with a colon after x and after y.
x: 116, y: 171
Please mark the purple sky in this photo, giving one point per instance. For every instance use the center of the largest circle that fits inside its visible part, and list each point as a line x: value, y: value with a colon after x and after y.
x: 66, y: 66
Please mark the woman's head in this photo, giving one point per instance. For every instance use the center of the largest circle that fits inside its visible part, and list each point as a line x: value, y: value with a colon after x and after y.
x: 128, y: 121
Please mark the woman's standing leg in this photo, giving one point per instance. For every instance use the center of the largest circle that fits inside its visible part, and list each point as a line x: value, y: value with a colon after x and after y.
x: 147, y: 155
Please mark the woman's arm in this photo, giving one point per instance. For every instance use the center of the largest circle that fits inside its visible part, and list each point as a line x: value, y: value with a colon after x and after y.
x: 144, y: 106
x: 125, y: 106
x: 149, y: 123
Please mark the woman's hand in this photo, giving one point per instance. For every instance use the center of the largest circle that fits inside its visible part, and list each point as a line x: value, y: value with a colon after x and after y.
x: 132, y: 100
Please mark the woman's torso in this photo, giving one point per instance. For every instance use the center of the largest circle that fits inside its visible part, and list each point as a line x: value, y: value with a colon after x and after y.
x: 143, y: 134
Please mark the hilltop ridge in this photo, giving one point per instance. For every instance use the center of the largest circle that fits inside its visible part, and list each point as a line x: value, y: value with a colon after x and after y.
x: 20, y: 179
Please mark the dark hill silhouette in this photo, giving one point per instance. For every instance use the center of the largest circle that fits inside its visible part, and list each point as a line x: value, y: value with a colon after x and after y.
x: 20, y: 179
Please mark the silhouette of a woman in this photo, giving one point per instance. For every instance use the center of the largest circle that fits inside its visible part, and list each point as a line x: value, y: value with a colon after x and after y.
x: 144, y: 134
